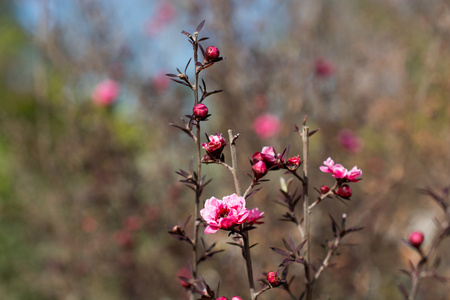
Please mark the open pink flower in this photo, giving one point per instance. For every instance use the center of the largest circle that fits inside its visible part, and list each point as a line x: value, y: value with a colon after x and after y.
x: 225, y: 213
x: 106, y: 92
x: 267, y: 155
x: 339, y: 172
x: 266, y: 126
x: 349, y: 141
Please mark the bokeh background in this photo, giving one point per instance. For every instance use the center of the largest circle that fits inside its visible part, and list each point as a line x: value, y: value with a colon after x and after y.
x: 87, y: 190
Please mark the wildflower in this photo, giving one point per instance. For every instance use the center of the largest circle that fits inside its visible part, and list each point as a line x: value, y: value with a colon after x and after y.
x: 344, y: 191
x: 106, y: 92
x: 349, y: 141
x: 293, y: 163
x: 416, y: 239
x: 254, y: 216
x: 215, y: 146
x: 224, y: 214
x: 266, y: 126
x: 323, y: 68
x: 200, y: 111
x: 259, y: 169
x: 212, y: 53
x: 273, y: 279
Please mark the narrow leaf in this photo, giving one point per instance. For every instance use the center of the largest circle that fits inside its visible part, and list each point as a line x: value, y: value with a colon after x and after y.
x: 200, y: 26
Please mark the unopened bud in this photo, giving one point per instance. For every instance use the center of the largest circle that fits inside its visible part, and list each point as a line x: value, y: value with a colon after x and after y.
x: 200, y: 110
x: 273, y: 279
x: 344, y: 191
x: 293, y: 163
x: 259, y: 169
x: 212, y: 53
x: 324, y: 189
x: 416, y: 239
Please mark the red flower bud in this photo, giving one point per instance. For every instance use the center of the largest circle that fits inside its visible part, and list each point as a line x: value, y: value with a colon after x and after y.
x: 215, y: 146
x: 324, y: 189
x: 259, y: 169
x: 416, y: 238
x: 273, y: 279
x: 344, y: 191
x: 200, y: 110
x: 293, y: 163
x: 212, y: 53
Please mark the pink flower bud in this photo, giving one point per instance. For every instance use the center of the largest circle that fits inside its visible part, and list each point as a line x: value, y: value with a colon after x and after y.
x: 222, y: 298
x: 200, y: 110
x: 323, y: 68
x: 273, y: 279
x: 293, y: 163
x: 236, y: 298
x: 259, y: 169
x: 416, y: 239
x: 215, y: 146
x: 212, y: 53
x: 324, y: 189
x: 344, y: 191
x: 106, y: 92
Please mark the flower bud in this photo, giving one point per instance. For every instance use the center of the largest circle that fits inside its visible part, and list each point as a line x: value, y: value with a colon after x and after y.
x: 236, y: 298
x: 259, y: 169
x: 293, y: 163
x: 344, y: 191
x: 324, y: 189
x: 222, y: 298
x: 273, y: 279
x: 215, y: 146
x: 200, y: 110
x: 416, y: 239
x: 212, y: 53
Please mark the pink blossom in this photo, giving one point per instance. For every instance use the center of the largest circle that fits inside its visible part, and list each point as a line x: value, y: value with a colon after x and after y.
x: 266, y: 126
x: 212, y: 53
x: 323, y: 68
x: 222, y: 298
x: 267, y: 155
x: 225, y: 213
x: 200, y: 110
x: 339, y: 172
x: 259, y: 169
x: 273, y: 279
x: 349, y: 141
x: 215, y: 145
x: 236, y: 298
x: 254, y: 216
x: 354, y: 174
x: 416, y: 238
x: 106, y: 92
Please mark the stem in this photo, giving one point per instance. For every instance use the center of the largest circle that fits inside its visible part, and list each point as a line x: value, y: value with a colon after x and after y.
x: 306, y: 210
x: 248, y: 260
x: 199, y: 169
x: 234, y: 161
x: 414, y: 285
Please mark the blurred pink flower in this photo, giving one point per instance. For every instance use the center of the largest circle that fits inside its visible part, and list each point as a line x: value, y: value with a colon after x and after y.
x: 165, y: 12
x: 132, y: 223
x: 266, y: 126
x: 106, y: 92
x: 349, y: 141
x: 323, y: 68
x: 160, y: 82
x: 123, y: 238
x: 88, y: 224
x: 225, y: 213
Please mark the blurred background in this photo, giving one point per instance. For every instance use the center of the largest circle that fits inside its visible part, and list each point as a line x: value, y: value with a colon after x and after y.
x: 88, y: 160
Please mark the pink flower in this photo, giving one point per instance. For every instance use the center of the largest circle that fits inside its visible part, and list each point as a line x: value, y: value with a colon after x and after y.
x: 224, y: 214
x: 259, y: 169
x: 323, y: 68
x: 222, y: 298
x: 266, y: 126
x: 200, y: 110
x: 106, y: 92
x: 416, y: 238
x: 215, y: 145
x: 349, y: 141
x: 254, y: 216
x: 236, y: 298
x: 339, y: 172
x: 267, y: 155
x: 354, y: 174
x: 212, y: 53
x: 273, y: 279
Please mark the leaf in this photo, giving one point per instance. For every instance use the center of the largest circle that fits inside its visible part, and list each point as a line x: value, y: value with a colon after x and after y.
x: 404, y: 271
x: 280, y: 251
x: 200, y: 26
x: 299, y: 247
x: 186, y: 33
x: 403, y: 291
x: 203, y: 39
x: 286, y: 244
x: 187, y: 65
x: 253, y: 192
x: 312, y: 132
x: 171, y: 75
